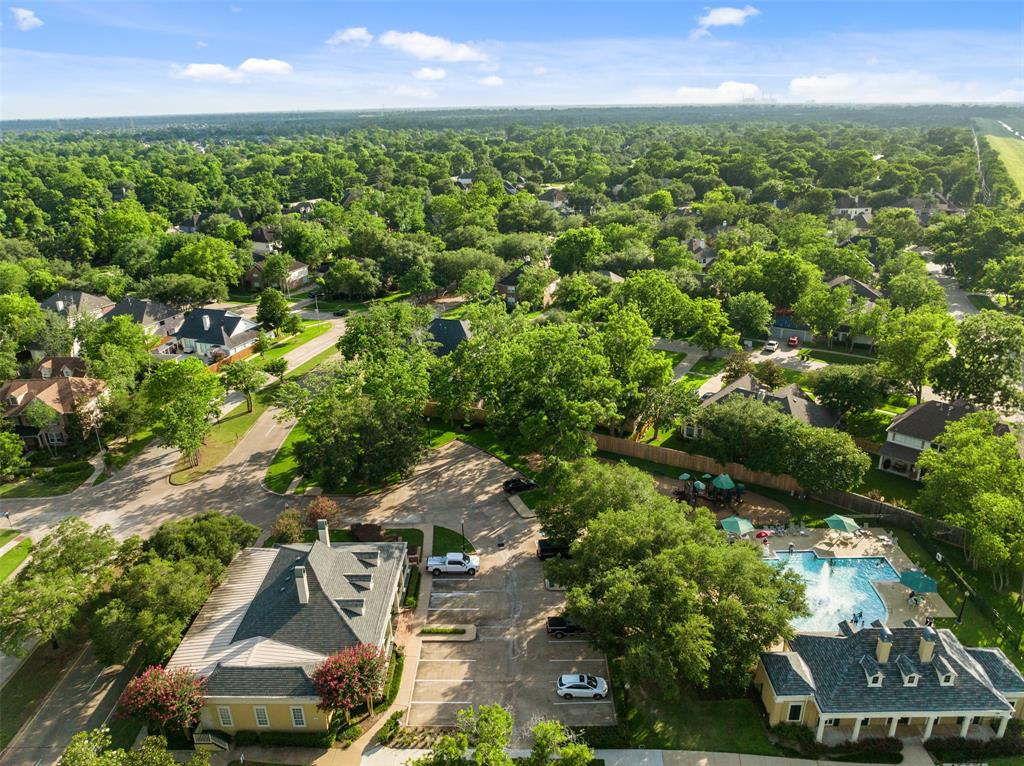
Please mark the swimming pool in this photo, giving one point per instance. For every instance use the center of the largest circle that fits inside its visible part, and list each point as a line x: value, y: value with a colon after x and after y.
x: 835, y: 593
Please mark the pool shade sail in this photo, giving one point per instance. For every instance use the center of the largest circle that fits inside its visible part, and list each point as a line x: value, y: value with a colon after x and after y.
x: 842, y: 523
x: 723, y: 481
x: 737, y: 525
x: 919, y: 582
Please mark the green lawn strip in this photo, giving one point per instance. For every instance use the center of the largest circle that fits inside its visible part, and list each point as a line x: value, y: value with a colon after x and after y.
x: 223, y: 437
x: 412, y: 592
x: 1011, y: 152
x: 309, y: 331
x: 674, y: 357
x: 237, y: 295
x: 39, y: 673
x: 120, y: 454
x: 331, y: 305
x: 396, y: 296
x: 869, y: 425
x: 983, y: 302
x: 831, y: 357
x: 707, y: 367
x: 889, y: 485
x: 285, y: 465
x: 449, y: 541
x: 456, y: 313
x: 13, y: 558
x: 49, y: 483
x: 440, y: 433
x: 976, y: 629
x: 123, y: 732
x: 6, y: 535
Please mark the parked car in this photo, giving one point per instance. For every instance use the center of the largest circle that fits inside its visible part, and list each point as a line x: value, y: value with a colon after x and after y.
x: 518, y: 484
x: 560, y: 627
x: 770, y: 346
x: 706, y: 395
x: 580, y: 686
x: 453, y: 563
x: 548, y: 549
x: 341, y: 313
x: 793, y: 341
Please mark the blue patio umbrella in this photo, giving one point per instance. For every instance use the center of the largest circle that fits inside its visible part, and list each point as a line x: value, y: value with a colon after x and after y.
x: 919, y: 582
x: 724, y: 481
x: 706, y: 476
x: 698, y: 486
x: 684, y: 477
x: 737, y: 525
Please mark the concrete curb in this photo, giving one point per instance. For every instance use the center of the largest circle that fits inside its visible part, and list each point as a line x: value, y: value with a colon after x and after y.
x: 469, y: 635
x: 522, y: 509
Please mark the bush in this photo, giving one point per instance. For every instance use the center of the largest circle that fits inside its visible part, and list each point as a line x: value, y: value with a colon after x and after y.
x: 948, y: 749
x: 350, y: 734
x: 389, y: 730
x: 412, y: 593
x: 442, y: 631
x: 294, y: 738
x: 323, y: 508
x: 606, y: 737
x: 801, y: 739
x: 243, y: 738
x: 77, y: 466
x: 287, y: 527
x: 397, y: 663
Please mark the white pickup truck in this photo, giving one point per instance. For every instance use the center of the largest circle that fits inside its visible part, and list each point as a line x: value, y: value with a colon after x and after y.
x: 453, y: 563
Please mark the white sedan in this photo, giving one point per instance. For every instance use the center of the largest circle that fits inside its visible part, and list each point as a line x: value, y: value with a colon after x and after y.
x: 578, y: 686
x: 770, y: 346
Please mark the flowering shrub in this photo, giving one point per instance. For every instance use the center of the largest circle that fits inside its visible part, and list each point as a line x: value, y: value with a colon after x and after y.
x: 351, y: 676
x: 323, y: 508
x: 164, y: 697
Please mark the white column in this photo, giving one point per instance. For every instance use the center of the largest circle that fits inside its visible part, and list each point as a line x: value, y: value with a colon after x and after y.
x: 928, y: 729
x: 819, y: 733
x: 856, y: 729
x: 1002, y: 728
x: 965, y: 726
x: 893, y: 723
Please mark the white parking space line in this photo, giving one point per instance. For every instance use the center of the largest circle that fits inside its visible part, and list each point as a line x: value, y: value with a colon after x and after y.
x: 453, y: 609
x: 441, y: 702
x: 432, y: 659
x: 581, y: 659
x: 564, y: 641
x: 584, y: 702
x: 444, y: 680
x: 452, y: 579
x: 454, y: 593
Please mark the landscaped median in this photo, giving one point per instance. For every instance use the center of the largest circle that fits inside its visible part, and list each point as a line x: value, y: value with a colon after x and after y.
x: 49, y: 482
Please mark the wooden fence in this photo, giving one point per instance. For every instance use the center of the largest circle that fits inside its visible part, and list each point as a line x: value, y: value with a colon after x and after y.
x: 243, y: 354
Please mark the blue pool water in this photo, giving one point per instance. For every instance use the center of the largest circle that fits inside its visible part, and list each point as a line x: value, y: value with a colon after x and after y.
x: 835, y: 593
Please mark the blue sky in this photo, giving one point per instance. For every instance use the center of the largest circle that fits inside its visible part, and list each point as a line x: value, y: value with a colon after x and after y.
x: 74, y: 58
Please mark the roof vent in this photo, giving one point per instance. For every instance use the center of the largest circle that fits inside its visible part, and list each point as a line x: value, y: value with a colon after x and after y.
x: 353, y: 606
x: 360, y: 581
x: 206, y: 321
x: 371, y: 557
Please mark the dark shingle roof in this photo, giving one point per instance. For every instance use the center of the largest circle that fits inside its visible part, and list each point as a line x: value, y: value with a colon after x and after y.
x: 836, y: 664
x: 859, y: 288
x: 1005, y: 677
x: 899, y: 452
x: 449, y: 333
x: 790, y: 399
x: 142, y: 311
x: 928, y: 420
x: 226, y: 328
x: 64, y: 301
x: 512, y: 279
x: 259, y: 682
x: 785, y: 677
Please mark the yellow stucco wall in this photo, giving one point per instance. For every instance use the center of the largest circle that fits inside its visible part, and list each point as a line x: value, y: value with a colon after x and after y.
x: 243, y: 716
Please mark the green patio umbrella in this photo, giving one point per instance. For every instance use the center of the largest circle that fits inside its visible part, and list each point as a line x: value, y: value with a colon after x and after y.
x: 698, y: 486
x: 724, y: 481
x: 919, y: 582
x: 706, y: 476
x: 684, y: 477
x: 842, y: 523
x: 737, y: 525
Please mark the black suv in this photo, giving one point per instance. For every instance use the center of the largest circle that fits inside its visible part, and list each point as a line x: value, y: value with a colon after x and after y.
x: 341, y: 313
x: 560, y: 627
x: 516, y: 485
x: 548, y: 549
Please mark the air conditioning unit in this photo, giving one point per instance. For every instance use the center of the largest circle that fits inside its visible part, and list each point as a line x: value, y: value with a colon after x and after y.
x: 938, y: 557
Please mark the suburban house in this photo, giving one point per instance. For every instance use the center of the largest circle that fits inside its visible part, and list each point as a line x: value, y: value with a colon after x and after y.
x: 156, y: 318
x: 298, y: 275
x: 611, y: 276
x: 72, y: 304
x: 790, y: 399
x: 216, y: 333
x: 856, y: 239
x: 58, y: 367
x: 556, y: 199
x: 902, y: 681
x: 448, y: 334
x: 264, y: 241
x: 506, y: 287
x: 785, y: 325
x: 190, y: 225
x: 63, y: 396
x: 303, y: 208
x: 861, y: 291
x: 277, y: 615
x: 912, y: 432
x: 926, y: 209
x: 849, y: 207
x: 704, y: 253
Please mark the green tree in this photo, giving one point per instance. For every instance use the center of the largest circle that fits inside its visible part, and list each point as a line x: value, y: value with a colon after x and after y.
x: 898, y: 226
x: 533, y: 285
x: 12, y: 449
x: 750, y: 314
x: 911, y: 345
x: 352, y: 279
x: 276, y: 268
x: 554, y: 743
x: 276, y: 367
x: 488, y: 729
x: 476, y: 284
x: 661, y: 303
x: 710, y: 326
x: 273, y: 308
x: 826, y: 459
x: 913, y: 291
x: 54, y: 336
x: 93, y: 748
x: 167, y: 699
x: 852, y: 388
x: 183, y: 290
x: 182, y: 400
x: 986, y: 369
x: 784, y: 277
x: 244, y: 377
x: 207, y: 258
x: 577, y: 250
x: 824, y: 309
x: 419, y: 278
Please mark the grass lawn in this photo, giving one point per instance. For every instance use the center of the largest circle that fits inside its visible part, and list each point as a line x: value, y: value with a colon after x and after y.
x: 1011, y: 151
x: 123, y: 732
x: 25, y: 690
x: 708, y: 367
x: 238, y: 295
x: 674, y: 357
x: 831, y: 357
x: 890, y: 485
x: 448, y: 540
x: 13, y: 558
x: 984, y: 302
x: 310, y: 364
x: 331, y: 305
x: 481, y: 438
x: 309, y: 331
x: 6, y: 535
x: 120, y: 454
x: 396, y: 296
x: 48, y: 484
x: 869, y: 425
x: 285, y: 465
x: 223, y: 438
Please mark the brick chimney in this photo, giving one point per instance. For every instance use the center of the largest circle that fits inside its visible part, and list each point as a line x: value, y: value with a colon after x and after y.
x: 301, y: 585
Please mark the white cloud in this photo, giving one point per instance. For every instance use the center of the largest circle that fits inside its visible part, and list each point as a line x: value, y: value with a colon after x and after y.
x: 353, y: 35
x: 888, y: 87
x: 24, y: 19
x: 429, y: 73
x: 414, y: 91
x: 200, y: 44
x: 270, y: 67
x: 222, y: 73
x: 492, y: 82
x: 723, y: 17
x: 729, y: 92
x: 539, y: 71
x: 430, y: 48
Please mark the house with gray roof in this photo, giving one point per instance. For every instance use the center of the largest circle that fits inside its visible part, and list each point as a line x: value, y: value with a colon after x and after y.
x: 880, y: 681
x: 216, y: 333
x: 156, y: 318
x: 791, y: 400
x: 912, y: 432
x: 72, y: 304
x: 277, y: 615
x: 448, y: 334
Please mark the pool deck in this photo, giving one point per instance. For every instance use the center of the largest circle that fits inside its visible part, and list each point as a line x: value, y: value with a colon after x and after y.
x: 828, y: 543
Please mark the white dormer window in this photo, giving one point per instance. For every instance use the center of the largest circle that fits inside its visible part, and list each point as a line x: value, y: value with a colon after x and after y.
x: 946, y: 679
x: 911, y: 680
x: 875, y: 680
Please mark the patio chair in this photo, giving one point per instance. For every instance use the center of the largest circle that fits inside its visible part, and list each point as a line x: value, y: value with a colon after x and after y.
x: 803, y: 531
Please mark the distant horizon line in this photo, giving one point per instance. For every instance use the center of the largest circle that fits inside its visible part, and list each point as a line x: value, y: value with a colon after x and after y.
x: 531, y: 107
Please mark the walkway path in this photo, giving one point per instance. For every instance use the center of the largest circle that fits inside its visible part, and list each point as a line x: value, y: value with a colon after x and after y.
x: 957, y: 301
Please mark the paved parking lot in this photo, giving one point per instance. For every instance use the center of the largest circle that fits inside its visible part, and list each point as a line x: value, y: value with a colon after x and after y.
x: 512, y: 662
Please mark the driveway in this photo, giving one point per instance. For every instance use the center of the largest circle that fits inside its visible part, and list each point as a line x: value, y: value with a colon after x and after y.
x: 957, y: 302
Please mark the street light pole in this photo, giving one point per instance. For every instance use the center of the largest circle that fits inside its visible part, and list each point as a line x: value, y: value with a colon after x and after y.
x: 316, y: 305
x: 963, y: 604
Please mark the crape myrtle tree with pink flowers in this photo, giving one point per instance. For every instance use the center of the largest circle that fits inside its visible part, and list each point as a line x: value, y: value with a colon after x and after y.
x: 164, y: 698
x: 354, y: 675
